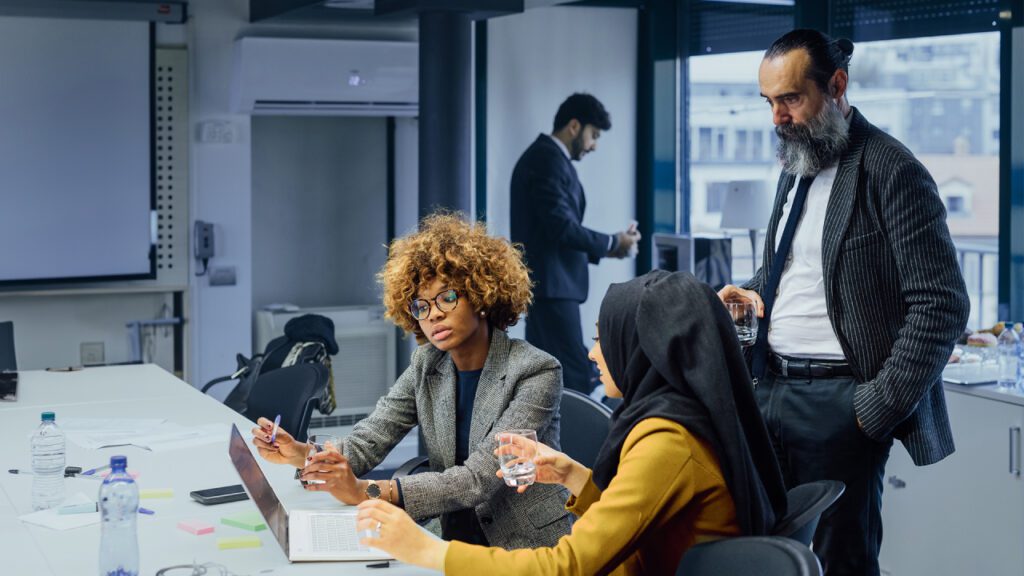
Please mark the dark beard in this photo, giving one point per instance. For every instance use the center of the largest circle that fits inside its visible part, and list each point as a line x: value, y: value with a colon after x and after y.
x: 807, y: 149
x: 576, y: 147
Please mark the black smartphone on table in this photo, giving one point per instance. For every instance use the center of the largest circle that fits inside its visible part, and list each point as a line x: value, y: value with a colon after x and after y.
x: 219, y: 495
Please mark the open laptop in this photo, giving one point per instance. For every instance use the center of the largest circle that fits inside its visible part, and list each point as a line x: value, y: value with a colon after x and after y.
x: 304, y: 535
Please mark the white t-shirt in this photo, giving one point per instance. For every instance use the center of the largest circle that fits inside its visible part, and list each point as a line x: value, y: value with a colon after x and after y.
x: 799, y: 324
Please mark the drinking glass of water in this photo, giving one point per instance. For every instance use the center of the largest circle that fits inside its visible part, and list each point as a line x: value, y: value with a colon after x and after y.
x: 744, y: 315
x: 516, y: 450
x: 319, y: 443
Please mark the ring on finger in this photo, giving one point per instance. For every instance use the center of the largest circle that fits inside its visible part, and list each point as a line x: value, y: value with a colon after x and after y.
x: 378, y: 528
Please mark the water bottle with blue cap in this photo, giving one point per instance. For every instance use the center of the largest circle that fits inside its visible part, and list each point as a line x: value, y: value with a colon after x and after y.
x: 119, y: 505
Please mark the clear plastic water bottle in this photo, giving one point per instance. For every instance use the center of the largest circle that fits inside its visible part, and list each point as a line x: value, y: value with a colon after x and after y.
x: 1019, y: 329
x: 1008, y: 350
x: 47, y: 464
x: 119, y: 505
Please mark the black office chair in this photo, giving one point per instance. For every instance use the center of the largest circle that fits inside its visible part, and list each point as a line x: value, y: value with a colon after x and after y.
x: 584, y: 426
x: 8, y: 361
x: 750, y: 556
x: 804, y: 505
x: 291, y: 391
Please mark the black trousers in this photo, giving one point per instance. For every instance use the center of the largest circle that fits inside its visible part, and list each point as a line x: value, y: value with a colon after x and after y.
x: 554, y: 327
x: 815, y: 435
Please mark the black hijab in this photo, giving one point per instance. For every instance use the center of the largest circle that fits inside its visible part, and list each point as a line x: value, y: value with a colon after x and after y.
x: 672, y: 350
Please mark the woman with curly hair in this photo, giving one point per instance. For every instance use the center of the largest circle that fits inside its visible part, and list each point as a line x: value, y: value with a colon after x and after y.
x: 457, y: 289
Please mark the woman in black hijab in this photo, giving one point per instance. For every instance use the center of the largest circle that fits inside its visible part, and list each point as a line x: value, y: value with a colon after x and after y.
x: 687, y: 458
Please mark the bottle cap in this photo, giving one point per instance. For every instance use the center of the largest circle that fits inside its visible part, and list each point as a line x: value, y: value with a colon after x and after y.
x: 118, y: 462
x: 48, y: 417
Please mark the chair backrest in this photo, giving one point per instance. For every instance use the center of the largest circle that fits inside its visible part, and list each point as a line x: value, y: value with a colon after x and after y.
x: 584, y: 426
x: 750, y: 556
x: 8, y: 361
x: 804, y: 505
x: 293, y: 392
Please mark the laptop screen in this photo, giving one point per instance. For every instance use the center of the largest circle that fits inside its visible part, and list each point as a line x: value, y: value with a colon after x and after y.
x: 259, y: 488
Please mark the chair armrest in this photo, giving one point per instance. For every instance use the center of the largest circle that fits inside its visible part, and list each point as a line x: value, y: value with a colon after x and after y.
x: 214, y: 382
x: 750, y: 556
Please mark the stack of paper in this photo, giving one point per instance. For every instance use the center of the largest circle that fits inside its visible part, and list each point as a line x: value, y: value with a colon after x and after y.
x: 153, y: 434
x: 51, y: 518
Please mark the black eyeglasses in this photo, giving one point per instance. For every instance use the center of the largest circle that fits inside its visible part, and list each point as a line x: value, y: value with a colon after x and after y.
x: 446, y: 301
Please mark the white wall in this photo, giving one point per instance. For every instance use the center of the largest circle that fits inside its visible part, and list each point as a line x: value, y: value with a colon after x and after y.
x: 221, y: 176
x: 220, y: 318
x: 49, y: 328
x: 536, y: 60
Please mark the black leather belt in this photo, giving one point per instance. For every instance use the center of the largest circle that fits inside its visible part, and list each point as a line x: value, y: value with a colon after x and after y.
x: 808, y: 368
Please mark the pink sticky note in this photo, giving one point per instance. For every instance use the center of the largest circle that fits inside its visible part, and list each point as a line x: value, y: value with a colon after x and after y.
x: 196, y: 527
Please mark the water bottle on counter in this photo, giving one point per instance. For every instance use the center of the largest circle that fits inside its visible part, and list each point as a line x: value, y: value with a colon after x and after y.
x: 119, y: 505
x: 1008, y: 351
x: 48, y: 448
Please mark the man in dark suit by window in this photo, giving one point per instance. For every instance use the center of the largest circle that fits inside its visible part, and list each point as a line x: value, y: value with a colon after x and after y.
x: 547, y: 214
x: 861, y: 298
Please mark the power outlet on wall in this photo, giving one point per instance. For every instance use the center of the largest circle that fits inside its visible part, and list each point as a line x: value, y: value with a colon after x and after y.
x: 92, y: 353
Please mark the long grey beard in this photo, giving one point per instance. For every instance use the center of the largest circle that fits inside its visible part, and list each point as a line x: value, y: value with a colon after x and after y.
x: 807, y: 149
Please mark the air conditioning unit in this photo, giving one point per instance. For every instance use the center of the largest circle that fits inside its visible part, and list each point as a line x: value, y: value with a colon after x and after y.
x: 307, y: 76
x: 364, y: 367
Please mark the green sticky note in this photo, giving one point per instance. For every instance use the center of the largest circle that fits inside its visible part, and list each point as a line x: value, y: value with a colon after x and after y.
x: 240, y: 542
x: 246, y: 521
x: 156, y: 493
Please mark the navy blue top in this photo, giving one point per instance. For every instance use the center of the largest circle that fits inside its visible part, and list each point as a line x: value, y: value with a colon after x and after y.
x: 465, y: 394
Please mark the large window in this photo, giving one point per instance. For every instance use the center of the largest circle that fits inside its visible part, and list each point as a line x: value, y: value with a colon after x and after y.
x: 725, y: 107
x: 937, y: 95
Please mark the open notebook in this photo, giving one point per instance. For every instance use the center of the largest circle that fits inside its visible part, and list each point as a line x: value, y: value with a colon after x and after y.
x: 304, y: 535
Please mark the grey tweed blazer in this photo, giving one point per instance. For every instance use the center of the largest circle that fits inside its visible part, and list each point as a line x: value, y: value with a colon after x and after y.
x: 520, y: 387
x: 893, y: 288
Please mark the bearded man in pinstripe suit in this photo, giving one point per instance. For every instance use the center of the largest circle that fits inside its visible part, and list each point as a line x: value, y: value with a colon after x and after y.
x: 861, y: 298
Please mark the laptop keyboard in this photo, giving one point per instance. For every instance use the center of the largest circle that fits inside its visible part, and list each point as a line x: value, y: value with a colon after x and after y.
x: 334, y: 533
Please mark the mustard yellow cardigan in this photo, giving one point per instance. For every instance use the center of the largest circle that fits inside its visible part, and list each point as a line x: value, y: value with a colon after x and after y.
x: 668, y: 495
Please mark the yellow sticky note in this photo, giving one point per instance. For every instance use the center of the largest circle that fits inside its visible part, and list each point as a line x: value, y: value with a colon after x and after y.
x: 239, y: 542
x: 156, y: 493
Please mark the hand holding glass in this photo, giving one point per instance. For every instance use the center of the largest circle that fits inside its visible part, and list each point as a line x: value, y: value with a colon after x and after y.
x: 744, y: 315
x: 319, y: 443
x: 516, y: 450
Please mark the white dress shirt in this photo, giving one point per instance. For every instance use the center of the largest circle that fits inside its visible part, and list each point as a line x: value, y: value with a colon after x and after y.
x: 799, y: 324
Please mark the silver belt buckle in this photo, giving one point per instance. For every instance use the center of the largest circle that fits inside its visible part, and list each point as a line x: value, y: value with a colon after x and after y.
x: 785, y: 366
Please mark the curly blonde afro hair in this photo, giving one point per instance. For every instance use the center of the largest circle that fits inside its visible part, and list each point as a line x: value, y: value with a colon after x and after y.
x: 487, y: 271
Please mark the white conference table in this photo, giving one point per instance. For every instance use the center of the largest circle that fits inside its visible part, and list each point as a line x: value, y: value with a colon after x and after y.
x: 144, y: 391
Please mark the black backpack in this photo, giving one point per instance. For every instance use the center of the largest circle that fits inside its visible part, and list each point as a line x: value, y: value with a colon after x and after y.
x: 308, y: 339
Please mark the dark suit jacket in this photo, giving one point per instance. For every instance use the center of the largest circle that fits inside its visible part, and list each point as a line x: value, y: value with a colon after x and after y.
x: 895, y: 295
x: 547, y: 214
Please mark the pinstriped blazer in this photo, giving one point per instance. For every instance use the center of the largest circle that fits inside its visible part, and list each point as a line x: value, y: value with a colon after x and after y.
x: 520, y: 388
x: 893, y: 288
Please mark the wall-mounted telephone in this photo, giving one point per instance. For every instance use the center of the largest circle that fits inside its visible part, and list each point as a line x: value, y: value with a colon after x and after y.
x: 202, y: 244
